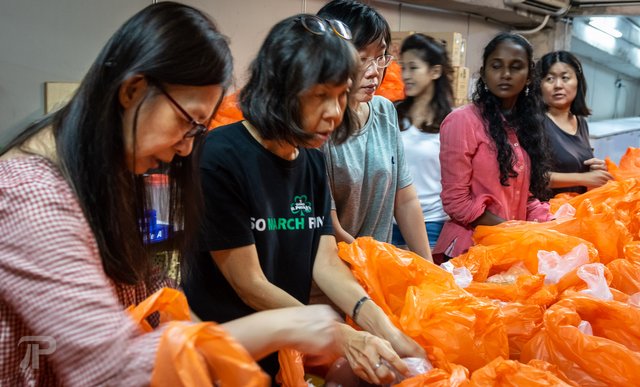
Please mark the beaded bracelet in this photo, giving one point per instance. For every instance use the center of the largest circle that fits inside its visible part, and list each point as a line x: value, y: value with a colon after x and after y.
x: 358, y: 306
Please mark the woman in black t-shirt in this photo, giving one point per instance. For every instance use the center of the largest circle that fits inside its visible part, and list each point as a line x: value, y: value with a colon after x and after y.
x: 563, y: 88
x: 267, y: 224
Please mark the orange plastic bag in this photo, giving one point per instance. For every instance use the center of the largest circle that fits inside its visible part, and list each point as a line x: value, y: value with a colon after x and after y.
x: 169, y: 303
x: 457, y: 377
x: 629, y: 165
x: 504, y: 373
x: 500, y: 247
x: 195, y: 354
x: 527, y: 289
x: 609, y: 357
x: 228, y: 112
x: 392, y: 87
x: 599, y: 225
x: 291, y: 372
x: 625, y: 276
x: 522, y: 322
x: 387, y: 272
x: 424, y: 301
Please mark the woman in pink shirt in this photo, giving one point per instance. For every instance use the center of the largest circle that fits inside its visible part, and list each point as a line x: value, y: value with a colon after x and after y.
x: 493, y: 152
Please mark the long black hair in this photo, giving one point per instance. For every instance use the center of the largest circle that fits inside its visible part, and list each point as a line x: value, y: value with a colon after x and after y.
x: 579, y: 104
x: 290, y: 61
x: 167, y: 42
x: 434, y: 54
x: 526, y: 118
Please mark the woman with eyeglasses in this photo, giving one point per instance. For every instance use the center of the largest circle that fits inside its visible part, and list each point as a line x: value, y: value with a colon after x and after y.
x: 72, y: 200
x: 369, y: 178
x: 267, y: 228
x: 564, y: 89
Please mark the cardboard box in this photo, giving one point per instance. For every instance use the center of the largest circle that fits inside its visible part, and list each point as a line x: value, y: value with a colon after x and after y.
x: 463, y: 53
x: 396, y: 42
x: 460, y: 82
x: 453, y: 44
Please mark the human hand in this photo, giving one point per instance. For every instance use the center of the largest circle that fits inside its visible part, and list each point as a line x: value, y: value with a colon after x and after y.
x: 404, y: 345
x: 596, y: 178
x: 313, y: 330
x: 596, y: 164
x: 370, y: 357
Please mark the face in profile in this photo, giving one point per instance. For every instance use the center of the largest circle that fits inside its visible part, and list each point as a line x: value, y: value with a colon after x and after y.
x: 322, y: 109
x: 370, y: 72
x: 506, y: 71
x: 165, y: 128
x: 559, y: 86
x: 417, y: 75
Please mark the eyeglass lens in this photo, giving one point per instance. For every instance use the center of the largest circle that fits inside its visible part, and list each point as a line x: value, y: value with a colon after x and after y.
x: 318, y: 26
x: 197, y: 128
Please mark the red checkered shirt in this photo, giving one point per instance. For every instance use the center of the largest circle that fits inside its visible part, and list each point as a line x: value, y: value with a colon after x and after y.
x: 61, y: 318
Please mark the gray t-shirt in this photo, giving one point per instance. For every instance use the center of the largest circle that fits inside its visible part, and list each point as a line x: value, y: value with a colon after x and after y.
x: 366, y: 172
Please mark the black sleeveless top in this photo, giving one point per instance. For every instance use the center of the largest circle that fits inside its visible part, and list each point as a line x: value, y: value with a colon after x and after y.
x: 569, y: 151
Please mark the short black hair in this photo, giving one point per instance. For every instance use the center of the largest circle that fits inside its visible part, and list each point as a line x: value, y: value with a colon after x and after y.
x: 579, y: 104
x: 291, y: 61
x: 367, y: 25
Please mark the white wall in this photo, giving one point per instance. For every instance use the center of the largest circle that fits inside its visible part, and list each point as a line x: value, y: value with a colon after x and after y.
x: 44, y: 41
x: 605, y: 100
x: 49, y: 41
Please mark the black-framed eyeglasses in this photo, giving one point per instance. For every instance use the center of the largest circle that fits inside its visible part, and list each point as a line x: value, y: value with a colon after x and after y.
x: 319, y: 26
x: 380, y: 62
x: 197, y: 128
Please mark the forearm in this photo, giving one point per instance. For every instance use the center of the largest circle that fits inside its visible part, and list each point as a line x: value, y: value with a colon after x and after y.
x: 335, y: 279
x: 487, y: 219
x: 408, y: 214
x: 272, y: 335
x: 411, y: 223
x: 341, y: 234
x: 260, y: 294
x: 563, y: 180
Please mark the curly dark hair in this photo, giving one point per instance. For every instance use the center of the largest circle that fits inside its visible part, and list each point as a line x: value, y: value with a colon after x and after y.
x: 526, y: 118
x: 433, y: 53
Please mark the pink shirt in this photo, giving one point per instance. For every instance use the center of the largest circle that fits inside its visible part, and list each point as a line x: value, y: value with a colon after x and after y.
x: 471, y: 180
x: 52, y: 285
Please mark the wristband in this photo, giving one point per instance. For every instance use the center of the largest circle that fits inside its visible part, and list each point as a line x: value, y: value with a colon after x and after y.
x: 358, y: 306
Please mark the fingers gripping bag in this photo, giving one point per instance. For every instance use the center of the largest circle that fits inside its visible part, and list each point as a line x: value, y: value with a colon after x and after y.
x: 193, y: 355
x: 608, y: 357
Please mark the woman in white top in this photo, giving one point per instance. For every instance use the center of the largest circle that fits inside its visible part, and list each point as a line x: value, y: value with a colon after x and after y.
x: 425, y: 73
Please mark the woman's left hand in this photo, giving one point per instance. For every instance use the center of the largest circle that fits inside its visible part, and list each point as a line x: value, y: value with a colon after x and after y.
x: 596, y: 164
x: 370, y: 357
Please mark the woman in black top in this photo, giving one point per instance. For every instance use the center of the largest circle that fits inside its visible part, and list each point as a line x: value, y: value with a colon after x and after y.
x: 563, y: 88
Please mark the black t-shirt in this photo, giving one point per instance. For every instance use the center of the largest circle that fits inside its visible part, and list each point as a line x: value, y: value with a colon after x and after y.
x: 569, y: 151
x: 251, y: 197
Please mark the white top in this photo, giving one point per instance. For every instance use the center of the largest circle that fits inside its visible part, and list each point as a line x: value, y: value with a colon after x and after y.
x: 421, y: 151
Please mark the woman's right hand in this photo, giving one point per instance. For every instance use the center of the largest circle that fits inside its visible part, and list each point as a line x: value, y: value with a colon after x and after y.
x: 596, y: 178
x: 369, y: 356
x: 312, y: 330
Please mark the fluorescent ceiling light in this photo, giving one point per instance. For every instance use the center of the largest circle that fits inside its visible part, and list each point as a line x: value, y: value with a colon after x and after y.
x: 606, y: 25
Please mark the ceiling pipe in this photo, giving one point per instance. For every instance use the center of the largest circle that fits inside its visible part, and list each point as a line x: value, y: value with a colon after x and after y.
x: 534, y: 30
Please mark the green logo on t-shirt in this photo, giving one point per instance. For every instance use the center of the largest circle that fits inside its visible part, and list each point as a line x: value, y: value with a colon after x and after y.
x: 301, y: 205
